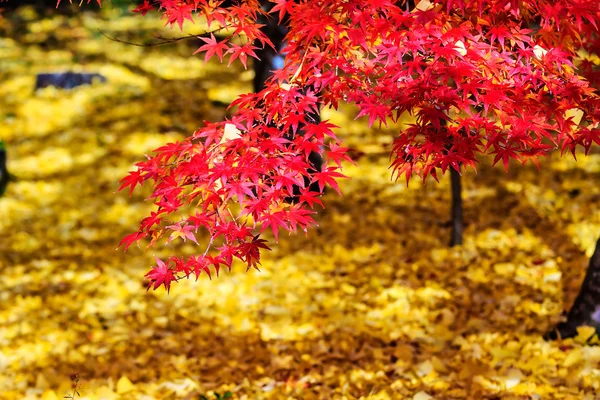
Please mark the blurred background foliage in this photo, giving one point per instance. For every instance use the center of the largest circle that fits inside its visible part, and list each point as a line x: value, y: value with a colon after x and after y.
x: 371, y: 304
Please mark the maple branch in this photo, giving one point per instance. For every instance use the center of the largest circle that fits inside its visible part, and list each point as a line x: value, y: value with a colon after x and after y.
x: 212, y: 238
x: 293, y: 78
x: 162, y: 39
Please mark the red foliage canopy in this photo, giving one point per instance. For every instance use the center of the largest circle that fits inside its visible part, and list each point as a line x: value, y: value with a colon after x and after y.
x: 494, y: 76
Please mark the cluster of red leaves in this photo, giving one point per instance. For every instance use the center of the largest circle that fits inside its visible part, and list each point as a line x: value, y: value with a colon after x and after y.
x: 239, y: 19
x: 481, y: 77
x: 475, y: 74
x: 234, y: 180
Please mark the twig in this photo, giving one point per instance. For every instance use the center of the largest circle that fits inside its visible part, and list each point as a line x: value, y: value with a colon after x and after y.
x: 75, y: 380
x: 162, y: 41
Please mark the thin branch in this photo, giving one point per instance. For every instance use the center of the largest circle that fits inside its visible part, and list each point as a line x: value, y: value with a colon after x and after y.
x: 162, y: 40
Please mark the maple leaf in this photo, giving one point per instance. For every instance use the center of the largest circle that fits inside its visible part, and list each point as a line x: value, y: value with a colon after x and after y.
x: 240, y: 190
x: 147, y: 222
x: 299, y: 216
x: 585, y: 11
x: 199, y: 264
x: 228, y: 252
x: 201, y: 219
x: 161, y: 275
x: 182, y: 231
x: 288, y: 180
x: 504, y: 154
x: 321, y: 130
x: 144, y: 7
x: 133, y: 179
x: 309, y: 197
x: 375, y: 109
x: 242, y: 52
x: 216, y: 262
x: 499, y: 33
x: 129, y: 239
x: 337, y: 154
x: 327, y: 176
x: 254, y: 207
x: 179, y: 13
x: 251, y: 251
x: 282, y: 7
x: 212, y: 47
x: 275, y: 220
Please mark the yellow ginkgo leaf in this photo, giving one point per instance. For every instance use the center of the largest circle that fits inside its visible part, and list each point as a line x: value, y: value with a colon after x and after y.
x: 422, y: 396
x: 124, y: 385
x: 230, y: 132
x: 50, y: 395
x: 575, y: 113
x: 423, y: 5
x: 539, y: 51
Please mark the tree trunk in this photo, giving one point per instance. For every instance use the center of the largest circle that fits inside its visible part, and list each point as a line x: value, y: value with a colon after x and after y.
x: 4, y: 176
x: 457, y: 209
x: 586, y: 309
x: 270, y: 60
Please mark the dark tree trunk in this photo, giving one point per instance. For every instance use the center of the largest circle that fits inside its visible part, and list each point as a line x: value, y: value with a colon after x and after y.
x: 271, y: 60
x: 586, y: 309
x: 4, y: 176
x: 457, y: 209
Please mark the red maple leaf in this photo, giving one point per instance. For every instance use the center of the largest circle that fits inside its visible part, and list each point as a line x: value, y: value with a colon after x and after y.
x: 212, y: 47
x: 133, y: 179
x: 161, y: 275
x: 242, y: 52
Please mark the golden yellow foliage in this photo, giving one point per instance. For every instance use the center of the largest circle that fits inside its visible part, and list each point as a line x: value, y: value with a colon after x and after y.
x: 371, y: 305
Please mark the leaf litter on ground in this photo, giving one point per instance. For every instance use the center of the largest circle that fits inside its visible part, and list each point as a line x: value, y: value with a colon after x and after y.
x: 370, y: 305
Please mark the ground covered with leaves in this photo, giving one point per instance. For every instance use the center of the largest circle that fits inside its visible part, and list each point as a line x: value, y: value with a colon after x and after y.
x: 372, y: 304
